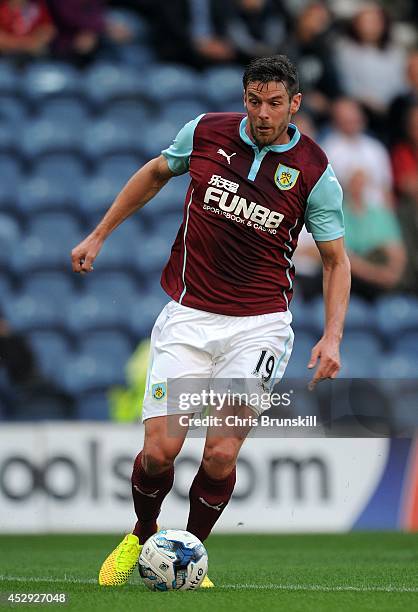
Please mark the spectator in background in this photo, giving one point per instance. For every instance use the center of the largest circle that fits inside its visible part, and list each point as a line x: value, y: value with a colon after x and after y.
x: 81, y: 27
x: 405, y: 171
x: 306, y: 257
x: 25, y: 392
x: 373, y: 241
x: 348, y: 147
x: 192, y: 32
x: 256, y: 28
x: 401, y: 104
x: 311, y: 47
x: 371, y: 67
x: 405, y: 159
x: 16, y: 355
x: 26, y: 27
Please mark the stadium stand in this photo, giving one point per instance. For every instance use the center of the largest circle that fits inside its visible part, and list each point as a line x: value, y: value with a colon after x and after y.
x: 69, y: 140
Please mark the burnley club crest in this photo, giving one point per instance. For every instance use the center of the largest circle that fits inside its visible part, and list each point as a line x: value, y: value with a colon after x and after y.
x: 285, y: 177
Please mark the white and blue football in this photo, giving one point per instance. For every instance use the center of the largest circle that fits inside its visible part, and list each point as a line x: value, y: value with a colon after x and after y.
x: 173, y: 559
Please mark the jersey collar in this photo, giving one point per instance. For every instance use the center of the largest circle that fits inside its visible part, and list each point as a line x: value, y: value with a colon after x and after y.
x: 275, y: 148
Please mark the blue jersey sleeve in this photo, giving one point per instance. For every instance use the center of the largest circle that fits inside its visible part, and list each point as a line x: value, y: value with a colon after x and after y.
x: 178, y: 153
x: 324, y: 217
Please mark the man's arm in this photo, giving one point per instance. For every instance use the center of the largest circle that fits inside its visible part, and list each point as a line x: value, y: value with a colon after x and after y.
x: 140, y: 188
x: 336, y: 288
x: 386, y: 275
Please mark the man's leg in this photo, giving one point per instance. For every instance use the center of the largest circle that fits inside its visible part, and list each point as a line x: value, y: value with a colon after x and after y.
x: 152, y: 479
x: 153, y: 471
x: 214, y: 482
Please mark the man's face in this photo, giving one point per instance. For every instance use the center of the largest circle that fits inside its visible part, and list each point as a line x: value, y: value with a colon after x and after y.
x: 348, y: 117
x: 269, y: 111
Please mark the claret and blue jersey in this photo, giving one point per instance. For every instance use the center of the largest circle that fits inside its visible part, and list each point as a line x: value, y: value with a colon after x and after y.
x: 243, y: 213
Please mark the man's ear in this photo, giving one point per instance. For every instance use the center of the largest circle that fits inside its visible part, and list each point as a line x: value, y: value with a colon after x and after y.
x: 295, y: 103
x: 244, y: 100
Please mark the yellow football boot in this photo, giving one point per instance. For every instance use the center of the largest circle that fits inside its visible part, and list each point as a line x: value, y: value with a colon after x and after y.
x: 207, y: 583
x: 120, y: 564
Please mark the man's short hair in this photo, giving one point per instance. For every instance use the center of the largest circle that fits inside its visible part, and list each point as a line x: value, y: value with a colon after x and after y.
x: 273, y: 68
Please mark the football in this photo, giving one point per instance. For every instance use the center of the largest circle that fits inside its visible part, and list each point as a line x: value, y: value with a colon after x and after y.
x: 173, y: 559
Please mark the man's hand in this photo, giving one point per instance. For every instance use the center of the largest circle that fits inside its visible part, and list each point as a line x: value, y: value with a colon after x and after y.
x: 84, y: 254
x: 328, y: 353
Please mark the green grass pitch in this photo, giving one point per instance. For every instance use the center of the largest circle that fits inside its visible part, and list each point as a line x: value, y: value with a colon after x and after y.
x: 312, y: 573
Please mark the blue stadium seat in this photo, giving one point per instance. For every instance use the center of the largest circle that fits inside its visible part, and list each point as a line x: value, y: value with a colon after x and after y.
x: 45, y: 79
x: 10, y: 169
x: 223, y: 88
x: 85, y: 373
x: 302, y: 315
x: 56, y: 227
x: 52, y: 284
x: 397, y: 365
x: 70, y: 109
x: 360, y: 355
x: 144, y: 312
x: 42, y: 136
x: 52, y: 350
x: 301, y: 353
x: 106, y: 82
x: 93, y: 406
x: 167, y: 82
x: 10, y: 177
x: 168, y: 228
x: 396, y: 314
x: 46, y: 402
x: 26, y: 313
x: 9, y: 78
x: 121, y: 248
x: 9, y: 237
x: 118, y: 287
x: 98, y: 193
x: 37, y: 254
x: 9, y: 141
x: 361, y: 343
x: 91, y: 312
x: 9, y: 231
x: 359, y: 315
x: 408, y: 345
x: 138, y: 56
x: 152, y: 255
x: 12, y: 110
x: 182, y: 111
x: 133, y: 113
x: 120, y: 167
x: 63, y: 168
x: 6, y: 288
x: 48, y: 245
x: 111, y: 344
x: 157, y: 136
x: 104, y: 137
x: 47, y: 192
x: 169, y: 200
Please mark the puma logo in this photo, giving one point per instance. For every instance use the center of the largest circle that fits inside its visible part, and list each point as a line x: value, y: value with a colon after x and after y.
x: 152, y: 494
x: 217, y: 507
x: 228, y: 157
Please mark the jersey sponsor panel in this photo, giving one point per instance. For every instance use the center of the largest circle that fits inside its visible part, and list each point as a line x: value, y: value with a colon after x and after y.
x: 242, y: 226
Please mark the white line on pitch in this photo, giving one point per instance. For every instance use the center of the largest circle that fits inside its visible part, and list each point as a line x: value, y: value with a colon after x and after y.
x: 319, y: 587
x: 260, y: 587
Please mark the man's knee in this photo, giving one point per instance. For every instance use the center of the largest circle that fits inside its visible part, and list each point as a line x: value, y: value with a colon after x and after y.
x: 156, y: 460
x: 219, y: 458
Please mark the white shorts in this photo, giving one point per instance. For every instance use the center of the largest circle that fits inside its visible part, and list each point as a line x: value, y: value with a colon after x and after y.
x: 194, y: 348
